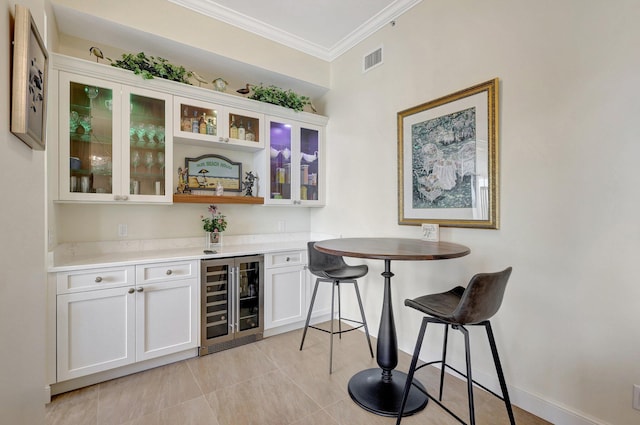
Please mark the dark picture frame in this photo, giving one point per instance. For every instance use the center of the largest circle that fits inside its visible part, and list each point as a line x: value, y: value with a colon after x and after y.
x: 29, y: 85
x: 448, y: 160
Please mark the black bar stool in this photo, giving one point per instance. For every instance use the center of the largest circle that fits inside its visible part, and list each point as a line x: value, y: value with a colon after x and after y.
x: 332, y: 268
x: 458, y: 308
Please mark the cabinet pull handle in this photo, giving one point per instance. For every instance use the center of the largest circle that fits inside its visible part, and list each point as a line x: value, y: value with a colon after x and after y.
x: 140, y: 289
x: 98, y: 279
x: 131, y: 290
x: 169, y: 272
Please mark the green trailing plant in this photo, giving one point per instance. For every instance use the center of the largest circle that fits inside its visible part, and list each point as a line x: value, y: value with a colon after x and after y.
x: 149, y: 67
x: 280, y: 97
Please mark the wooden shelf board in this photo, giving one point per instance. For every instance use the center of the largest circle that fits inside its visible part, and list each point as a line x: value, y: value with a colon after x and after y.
x: 182, y: 198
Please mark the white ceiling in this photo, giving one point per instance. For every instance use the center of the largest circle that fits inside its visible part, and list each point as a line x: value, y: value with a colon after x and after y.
x: 325, y: 28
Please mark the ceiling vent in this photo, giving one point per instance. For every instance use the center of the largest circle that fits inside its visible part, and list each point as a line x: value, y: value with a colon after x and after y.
x: 372, y: 60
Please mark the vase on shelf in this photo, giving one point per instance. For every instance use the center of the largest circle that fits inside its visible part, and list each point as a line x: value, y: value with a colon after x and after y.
x: 213, y: 240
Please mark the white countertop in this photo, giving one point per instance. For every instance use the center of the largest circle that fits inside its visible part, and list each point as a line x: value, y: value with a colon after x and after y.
x: 77, y: 256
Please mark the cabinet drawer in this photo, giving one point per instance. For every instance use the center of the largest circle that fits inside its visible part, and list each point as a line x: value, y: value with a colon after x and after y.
x: 85, y: 280
x: 288, y: 258
x: 157, y: 272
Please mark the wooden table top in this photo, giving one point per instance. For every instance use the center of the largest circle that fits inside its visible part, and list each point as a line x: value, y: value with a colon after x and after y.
x: 392, y: 248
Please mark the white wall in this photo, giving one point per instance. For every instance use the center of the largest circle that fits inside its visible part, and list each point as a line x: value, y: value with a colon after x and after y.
x: 568, y: 328
x: 22, y: 267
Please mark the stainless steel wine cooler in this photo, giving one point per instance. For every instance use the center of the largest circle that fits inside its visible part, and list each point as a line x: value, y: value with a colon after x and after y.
x: 232, y: 302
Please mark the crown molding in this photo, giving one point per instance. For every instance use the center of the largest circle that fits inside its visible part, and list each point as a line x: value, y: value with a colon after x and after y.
x: 216, y: 11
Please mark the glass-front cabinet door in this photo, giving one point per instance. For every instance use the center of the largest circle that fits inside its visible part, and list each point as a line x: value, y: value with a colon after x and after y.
x: 148, y: 151
x: 295, y: 163
x: 114, y: 142
x: 89, y: 137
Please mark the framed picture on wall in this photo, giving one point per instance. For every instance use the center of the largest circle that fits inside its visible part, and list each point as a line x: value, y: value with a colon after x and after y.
x: 448, y: 160
x: 29, y: 85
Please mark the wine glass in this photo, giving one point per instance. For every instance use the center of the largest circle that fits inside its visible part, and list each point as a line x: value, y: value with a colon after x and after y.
x: 160, y: 134
x: 151, y: 131
x: 161, y: 161
x: 135, y: 160
x: 149, y: 161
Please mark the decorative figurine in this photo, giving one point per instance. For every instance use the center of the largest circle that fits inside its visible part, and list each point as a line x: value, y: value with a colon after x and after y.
x: 248, y: 183
x: 183, y: 181
x: 219, y: 84
x: 95, y: 51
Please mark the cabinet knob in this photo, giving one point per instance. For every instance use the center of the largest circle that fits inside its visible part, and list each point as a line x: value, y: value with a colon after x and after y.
x: 288, y: 259
x: 169, y: 272
x: 140, y: 289
x: 131, y: 290
x: 98, y: 279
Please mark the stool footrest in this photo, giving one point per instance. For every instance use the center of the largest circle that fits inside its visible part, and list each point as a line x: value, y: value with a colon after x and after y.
x: 340, y: 332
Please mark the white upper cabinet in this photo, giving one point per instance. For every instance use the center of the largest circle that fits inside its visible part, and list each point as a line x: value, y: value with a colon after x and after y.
x: 114, y: 142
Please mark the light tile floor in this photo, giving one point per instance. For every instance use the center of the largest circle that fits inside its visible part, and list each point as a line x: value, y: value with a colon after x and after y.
x: 268, y: 382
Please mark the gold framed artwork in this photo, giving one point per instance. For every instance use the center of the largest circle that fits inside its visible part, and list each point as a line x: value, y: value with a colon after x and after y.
x: 448, y: 160
x: 29, y: 86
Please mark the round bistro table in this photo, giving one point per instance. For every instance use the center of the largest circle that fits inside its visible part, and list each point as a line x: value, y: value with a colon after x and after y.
x: 379, y: 390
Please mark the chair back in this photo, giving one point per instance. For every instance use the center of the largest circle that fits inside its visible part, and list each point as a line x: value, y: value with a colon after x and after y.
x: 482, y: 297
x: 320, y: 261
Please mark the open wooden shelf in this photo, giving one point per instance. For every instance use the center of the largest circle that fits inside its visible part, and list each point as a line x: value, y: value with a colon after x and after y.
x: 181, y: 198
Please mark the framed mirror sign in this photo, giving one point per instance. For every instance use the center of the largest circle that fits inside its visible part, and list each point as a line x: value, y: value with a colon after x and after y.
x: 448, y: 160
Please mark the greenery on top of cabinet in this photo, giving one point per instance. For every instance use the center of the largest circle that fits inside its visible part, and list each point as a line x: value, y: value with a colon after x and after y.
x: 280, y: 97
x: 151, y: 66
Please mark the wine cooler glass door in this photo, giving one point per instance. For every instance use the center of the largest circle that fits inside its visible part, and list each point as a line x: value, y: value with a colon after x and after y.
x: 249, y: 295
x: 216, y: 317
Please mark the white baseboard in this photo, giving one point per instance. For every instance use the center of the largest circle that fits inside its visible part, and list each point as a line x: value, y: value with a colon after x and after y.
x: 536, y: 404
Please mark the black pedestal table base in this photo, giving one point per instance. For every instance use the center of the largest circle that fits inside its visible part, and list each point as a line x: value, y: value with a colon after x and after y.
x: 383, y: 397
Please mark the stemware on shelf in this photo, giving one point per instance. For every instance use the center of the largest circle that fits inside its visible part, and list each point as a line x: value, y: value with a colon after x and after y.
x: 149, y: 161
x: 161, y: 161
x: 135, y: 160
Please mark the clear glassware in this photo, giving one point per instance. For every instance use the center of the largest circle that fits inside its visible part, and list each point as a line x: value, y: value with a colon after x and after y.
x: 161, y: 161
x: 151, y: 130
x: 149, y: 161
x: 135, y: 160
x: 160, y: 134
x: 140, y: 132
x: 74, y: 121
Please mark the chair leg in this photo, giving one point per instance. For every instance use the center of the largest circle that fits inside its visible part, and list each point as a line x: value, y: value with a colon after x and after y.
x: 444, y: 359
x: 467, y: 350
x: 412, y: 369
x: 333, y: 291
x: 337, y: 282
x: 364, y: 320
x: 503, y: 383
x: 306, y: 325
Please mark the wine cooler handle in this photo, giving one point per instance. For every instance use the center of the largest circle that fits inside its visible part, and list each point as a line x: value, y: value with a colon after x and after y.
x: 231, y: 297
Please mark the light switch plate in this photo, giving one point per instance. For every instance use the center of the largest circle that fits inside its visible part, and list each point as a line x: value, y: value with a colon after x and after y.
x: 636, y: 397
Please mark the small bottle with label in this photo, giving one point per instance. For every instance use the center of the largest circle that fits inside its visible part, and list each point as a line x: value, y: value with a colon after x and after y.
x: 241, y: 131
x: 185, y: 125
x: 202, y: 124
x: 233, y: 130
x: 249, y: 135
x: 195, y: 123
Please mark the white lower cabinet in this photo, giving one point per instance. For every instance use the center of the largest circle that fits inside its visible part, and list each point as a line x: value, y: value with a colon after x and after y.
x: 114, y: 322
x: 288, y: 290
x: 285, y: 288
x: 95, y: 331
